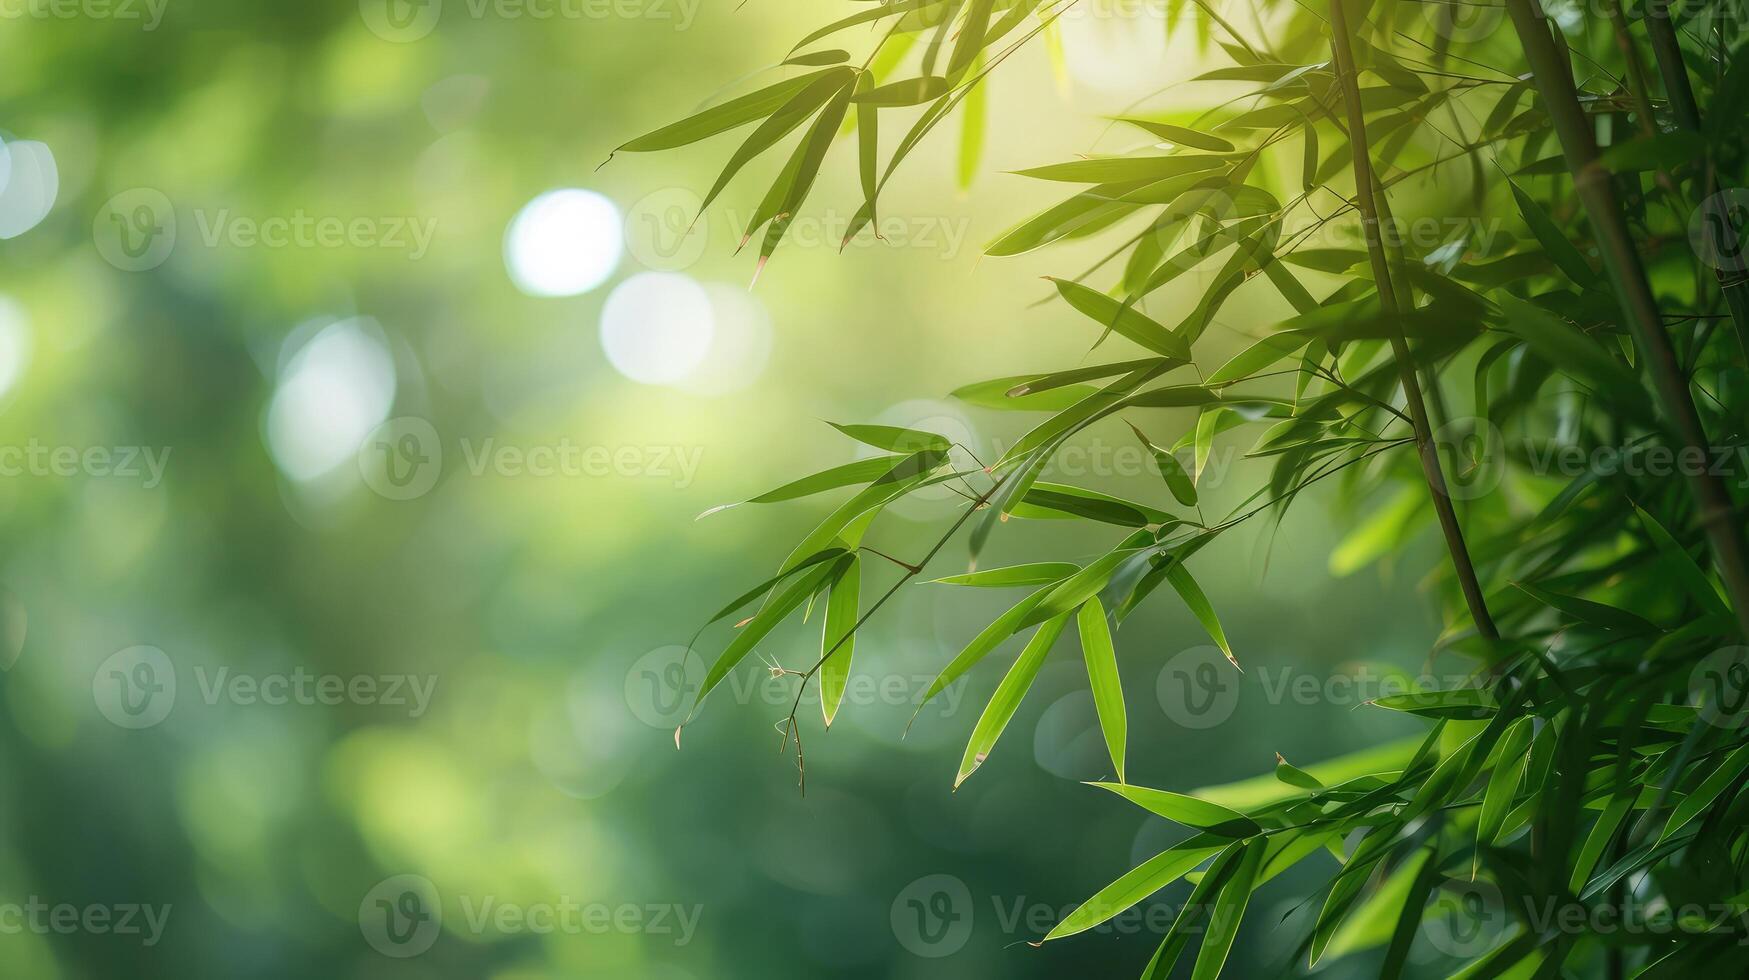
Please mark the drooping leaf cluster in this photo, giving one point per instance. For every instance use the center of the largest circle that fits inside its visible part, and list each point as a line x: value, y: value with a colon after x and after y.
x: 1596, y: 759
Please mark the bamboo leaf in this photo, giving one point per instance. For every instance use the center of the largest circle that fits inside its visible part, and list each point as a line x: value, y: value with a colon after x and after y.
x: 894, y: 438
x: 729, y: 115
x: 1199, y: 605
x: 1006, y: 700
x: 1037, y: 573
x: 1217, y: 941
x: 1102, y: 676
x: 838, y: 639
x: 1145, y: 879
x: 1186, y: 810
x: 1123, y: 319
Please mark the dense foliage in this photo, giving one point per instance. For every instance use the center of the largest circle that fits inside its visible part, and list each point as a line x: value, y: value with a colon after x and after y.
x: 1554, y: 380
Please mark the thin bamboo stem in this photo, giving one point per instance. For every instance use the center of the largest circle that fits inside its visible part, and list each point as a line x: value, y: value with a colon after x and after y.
x: 1343, y: 48
x: 1554, y: 81
x: 1667, y: 52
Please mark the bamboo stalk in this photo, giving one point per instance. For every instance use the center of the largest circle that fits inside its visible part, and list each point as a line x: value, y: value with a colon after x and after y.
x: 1667, y: 52
x: 1343, y: 47
x: 1554, y: 81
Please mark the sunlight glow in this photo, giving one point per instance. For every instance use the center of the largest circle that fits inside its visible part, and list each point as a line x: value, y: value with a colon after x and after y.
x: 657, y: 327
x: 332, y: 392
x: 14, y: 343
x: 563, y: 243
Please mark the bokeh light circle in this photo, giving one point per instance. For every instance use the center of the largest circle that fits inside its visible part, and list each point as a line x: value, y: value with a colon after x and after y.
x: 656, y: 327
x: 564, y: 242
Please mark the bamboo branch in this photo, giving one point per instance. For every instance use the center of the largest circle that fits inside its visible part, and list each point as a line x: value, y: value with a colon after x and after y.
x: 1554, y: 81
x: 1343, y: 47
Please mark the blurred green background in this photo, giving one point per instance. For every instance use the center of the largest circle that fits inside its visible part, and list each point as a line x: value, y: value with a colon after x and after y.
x: 539, y: 573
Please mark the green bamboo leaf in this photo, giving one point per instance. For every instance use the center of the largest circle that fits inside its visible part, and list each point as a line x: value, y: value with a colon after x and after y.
x: 1598, y: 840
x: 1217, y: 941
x: 808, y: 561
x: 760, y: 625
x: 729, y: 115
x: 792, y: 186
x: 1186, y: 810
x: 1585, y: 611
x: 973, y: 118
x: 876, y: 12
x: 1195, y: 908
x: 1295, y: 776
x: 1558, y: 244
x: 1171, y: 471
x: 988, y: 639
x: 1124, y: 319
x: 1563, y: 345
x: 1083, y: 585
x: 1207, y: 425
x: 1034, y: 384
x: 849, y: 474
x: 1462, y: 703
x: 973, y: 31
x: 1057, y: 501
x: 838, y: 638
x: 1123, y: 170
x: 1665, y: 151
x: 1193, y: 597
x: 1006, y: 700
x: 1511, y: 759
x: 1036, y: 573
x: 1011, y: 394
x: 1179, y: 135
x: 1145, y: 879
x: 1694, y: 579
x: 1102, y: 676
x: 829, y: 56
x: 894, y: 438
x: 910, y: 91
x: 1709, y: 790
x: 1259, y: 356
x: 868, y: 141
x: 1084, y: 210
x: 1346, y: 888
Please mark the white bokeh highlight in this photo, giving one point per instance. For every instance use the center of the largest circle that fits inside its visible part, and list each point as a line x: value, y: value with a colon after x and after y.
x: 14, y: 343
x: 656, y: 327
x: 563, y: 243
x: 332, y: 392
x: 31, y: 183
